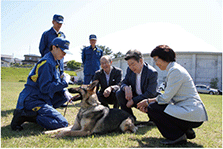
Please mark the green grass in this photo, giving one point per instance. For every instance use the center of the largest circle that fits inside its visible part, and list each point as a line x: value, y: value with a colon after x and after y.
x: 209, y: 135
x: 14, y: 74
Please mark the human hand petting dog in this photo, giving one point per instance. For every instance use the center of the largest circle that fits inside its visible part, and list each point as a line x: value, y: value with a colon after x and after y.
x: 107, y: 91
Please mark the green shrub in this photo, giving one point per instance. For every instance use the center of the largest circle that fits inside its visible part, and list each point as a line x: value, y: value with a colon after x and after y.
x: 214, y: 83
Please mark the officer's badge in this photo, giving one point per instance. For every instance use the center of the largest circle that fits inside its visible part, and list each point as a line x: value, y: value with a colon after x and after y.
x: 60, y: 17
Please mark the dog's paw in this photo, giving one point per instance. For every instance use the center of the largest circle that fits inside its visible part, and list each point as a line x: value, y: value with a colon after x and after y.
x: 134, y: 129
x: 48, y: 132
x: 128, y: 131
x: 53, y: 136
x: 45, y: 132
x: 59, y: 135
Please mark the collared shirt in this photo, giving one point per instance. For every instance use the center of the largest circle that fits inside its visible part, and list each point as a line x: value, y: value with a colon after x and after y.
x: 108, y: 76
x: 57, y: 32
x: 138, y: 83
x: 169, y: 66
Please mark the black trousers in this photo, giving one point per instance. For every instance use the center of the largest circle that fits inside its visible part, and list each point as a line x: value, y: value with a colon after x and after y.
x: 122, y: 102
x: 170, y: 127
x: 111, y: 99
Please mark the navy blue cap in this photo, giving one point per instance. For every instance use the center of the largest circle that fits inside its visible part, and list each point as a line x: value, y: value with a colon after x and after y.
x: 92, y: 36
x: 62, y: 43
x: 58, y: 18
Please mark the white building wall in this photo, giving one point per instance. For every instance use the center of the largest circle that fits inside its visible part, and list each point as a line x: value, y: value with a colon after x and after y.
x: 202, y: 66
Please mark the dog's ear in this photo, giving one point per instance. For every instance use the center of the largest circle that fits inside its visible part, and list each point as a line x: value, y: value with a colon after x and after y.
x: 93, y: 85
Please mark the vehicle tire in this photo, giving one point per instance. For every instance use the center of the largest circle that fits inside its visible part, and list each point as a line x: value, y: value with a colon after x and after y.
x: 211, y: 93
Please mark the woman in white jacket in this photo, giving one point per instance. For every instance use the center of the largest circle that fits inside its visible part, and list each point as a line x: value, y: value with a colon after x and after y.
x: 179, y: 109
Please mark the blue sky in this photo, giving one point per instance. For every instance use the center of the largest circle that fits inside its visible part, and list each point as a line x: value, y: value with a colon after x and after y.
x: 184, y: 25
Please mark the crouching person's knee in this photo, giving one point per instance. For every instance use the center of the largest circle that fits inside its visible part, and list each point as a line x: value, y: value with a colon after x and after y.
x: 50, y: 118
x: 120, y: 95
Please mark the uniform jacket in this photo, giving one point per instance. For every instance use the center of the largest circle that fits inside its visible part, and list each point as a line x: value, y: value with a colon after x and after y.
x: 46, y: 39
x: 114, y: 80
x: 148, y: 83
x: 91, y: 60
x: 181, y: 95
x: 43, y: 81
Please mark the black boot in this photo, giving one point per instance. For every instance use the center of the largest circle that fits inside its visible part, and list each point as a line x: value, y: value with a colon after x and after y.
x: 21, y: 116
x: 30, y: 116
x: 17, y: 120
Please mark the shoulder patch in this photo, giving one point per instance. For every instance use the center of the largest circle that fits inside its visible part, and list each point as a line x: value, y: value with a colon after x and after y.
x: 36, y: 108
x: 35, y: 77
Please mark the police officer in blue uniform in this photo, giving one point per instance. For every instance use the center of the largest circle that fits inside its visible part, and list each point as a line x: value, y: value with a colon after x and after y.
x: 91, y: 59
x: 44, y: 91
x: 49, y: 35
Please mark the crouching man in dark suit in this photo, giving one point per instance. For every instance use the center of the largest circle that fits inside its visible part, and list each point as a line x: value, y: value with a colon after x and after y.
x: 139, y: 83
x: 109, y: 78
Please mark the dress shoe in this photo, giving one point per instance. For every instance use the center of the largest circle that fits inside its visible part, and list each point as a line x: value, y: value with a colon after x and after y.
x: 190, y: 134
x: 180, y: 140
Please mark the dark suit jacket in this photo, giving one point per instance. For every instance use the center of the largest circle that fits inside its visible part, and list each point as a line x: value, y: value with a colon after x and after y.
x: 148, y: 83
x: 114, y: 80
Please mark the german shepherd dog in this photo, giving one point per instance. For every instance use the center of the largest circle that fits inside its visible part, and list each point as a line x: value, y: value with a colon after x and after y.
x: 94, y: 117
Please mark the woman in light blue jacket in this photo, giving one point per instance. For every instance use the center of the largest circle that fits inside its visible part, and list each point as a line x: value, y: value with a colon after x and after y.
x: 179, y: 109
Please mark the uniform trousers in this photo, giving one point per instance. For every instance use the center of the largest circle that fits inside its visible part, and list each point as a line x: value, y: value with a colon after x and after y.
x: 88, y: 79
x: 47, y: 116
x: 170, y: 127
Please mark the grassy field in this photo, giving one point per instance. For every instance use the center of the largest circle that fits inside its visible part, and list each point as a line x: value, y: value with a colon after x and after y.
x: 209, y: 135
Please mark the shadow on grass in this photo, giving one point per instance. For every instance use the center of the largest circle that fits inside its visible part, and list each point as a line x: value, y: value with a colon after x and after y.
x: 30, y: 129
x: 33, y: 129
x: 141, y: 131
x: 155, y: 142
x: 144, y: 130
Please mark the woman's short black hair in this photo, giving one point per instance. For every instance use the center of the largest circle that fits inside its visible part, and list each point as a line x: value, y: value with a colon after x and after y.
x: 164, y: 52
x: 135, y: 54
